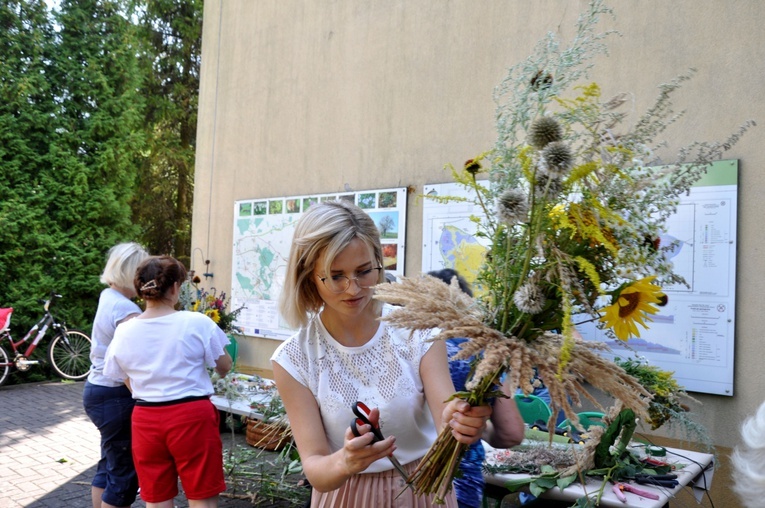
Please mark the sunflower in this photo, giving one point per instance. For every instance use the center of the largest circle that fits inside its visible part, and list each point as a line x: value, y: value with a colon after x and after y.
x: 213, y: 314
x: 632, y: 305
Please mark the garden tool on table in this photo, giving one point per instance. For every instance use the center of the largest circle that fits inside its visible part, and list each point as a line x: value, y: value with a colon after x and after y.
x: 619, y: 488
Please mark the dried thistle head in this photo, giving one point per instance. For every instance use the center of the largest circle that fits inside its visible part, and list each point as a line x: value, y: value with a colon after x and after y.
x: 512, y: 206
x: 544, y: 130
x: 548, y: 184
x: 557, y: 158
x: 529, y: 298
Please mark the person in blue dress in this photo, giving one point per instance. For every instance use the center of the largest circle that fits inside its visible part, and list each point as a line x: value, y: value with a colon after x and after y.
x: 504, y: 429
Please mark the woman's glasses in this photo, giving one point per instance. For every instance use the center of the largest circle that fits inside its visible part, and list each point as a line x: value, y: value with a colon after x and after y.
x: 365, y: 279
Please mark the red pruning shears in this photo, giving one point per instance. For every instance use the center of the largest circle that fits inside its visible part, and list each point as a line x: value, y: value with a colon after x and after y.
x: 363, y: 413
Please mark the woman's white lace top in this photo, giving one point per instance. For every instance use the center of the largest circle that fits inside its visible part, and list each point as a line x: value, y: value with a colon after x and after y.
x: 383, y: 373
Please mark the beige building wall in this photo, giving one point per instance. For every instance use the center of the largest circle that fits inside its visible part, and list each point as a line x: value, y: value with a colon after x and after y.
x: 301, y: 97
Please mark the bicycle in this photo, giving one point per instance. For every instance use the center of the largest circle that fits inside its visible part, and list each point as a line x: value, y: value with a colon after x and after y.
x: 68, y: 352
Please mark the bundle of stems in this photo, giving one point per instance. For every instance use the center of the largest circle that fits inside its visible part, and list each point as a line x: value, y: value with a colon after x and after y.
x: 427, y: 303
x: 435, y: 472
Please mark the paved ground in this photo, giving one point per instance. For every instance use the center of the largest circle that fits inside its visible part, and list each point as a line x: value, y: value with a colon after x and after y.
x: 49, y: 449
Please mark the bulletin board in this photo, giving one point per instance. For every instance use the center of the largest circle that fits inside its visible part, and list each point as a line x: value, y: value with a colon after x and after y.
x: 263, y: 230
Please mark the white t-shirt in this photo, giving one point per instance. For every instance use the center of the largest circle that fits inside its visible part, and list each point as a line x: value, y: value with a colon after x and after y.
x: 113, y: 307
x: 383, y: 373
x: 166, y: 357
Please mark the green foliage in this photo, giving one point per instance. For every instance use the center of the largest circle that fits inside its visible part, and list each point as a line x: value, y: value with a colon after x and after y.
x: 171, y: 36
x: 97, y: 143
x: 97, y: 100
x: 70, y: 142
x: 666, y: 391
x: 623, y: 427
x: 26, y: 104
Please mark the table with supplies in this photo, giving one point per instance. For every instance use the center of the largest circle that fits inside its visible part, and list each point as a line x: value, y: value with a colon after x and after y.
x: 693, y: 470
x: 257, y: 403
x: 244, y: 395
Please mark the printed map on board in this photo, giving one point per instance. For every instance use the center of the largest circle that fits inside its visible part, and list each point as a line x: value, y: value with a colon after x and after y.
x: 263, y: 231
x: 449, y: 239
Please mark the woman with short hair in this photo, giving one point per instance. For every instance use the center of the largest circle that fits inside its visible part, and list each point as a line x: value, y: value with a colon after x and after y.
x: 343, y: 353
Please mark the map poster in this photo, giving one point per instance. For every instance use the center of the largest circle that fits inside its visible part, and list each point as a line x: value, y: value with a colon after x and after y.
x: 693, y: 335
x: 449, y: 229
x: 263, y: 230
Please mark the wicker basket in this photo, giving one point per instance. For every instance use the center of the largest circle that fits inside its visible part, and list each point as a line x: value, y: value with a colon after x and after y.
x: 268, y: 436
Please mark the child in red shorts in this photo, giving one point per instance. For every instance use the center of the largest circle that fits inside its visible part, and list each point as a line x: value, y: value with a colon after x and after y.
x: 163, y: 354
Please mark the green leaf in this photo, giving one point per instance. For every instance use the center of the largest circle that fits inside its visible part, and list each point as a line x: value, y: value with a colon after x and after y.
x: 516, y: 484
x: 564, y: 482
x: 536, y: 490
x: 547, y: 469
x: 546, y: 482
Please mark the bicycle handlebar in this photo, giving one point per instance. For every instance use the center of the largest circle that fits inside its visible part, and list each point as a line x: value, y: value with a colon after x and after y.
x: 46, y: 303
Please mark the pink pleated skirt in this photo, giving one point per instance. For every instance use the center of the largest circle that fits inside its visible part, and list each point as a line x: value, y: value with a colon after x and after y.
x: 378, y: 490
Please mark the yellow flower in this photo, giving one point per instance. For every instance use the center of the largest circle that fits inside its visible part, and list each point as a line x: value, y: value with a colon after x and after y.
x: 213, y: 314
x: 195, y: 307
x: 633, y: 305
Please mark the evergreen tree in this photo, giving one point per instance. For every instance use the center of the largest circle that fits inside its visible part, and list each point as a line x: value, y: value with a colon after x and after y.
x: 29, y: 240
x: 98, y: 143
x: 71, y: 123
x: 172, y: 30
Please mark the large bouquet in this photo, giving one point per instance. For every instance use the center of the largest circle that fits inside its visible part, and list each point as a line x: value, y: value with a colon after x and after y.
x: 574, y: 206
x: 211, y: 303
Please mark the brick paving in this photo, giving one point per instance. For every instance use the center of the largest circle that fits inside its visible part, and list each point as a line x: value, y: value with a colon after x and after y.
x: 49, y: 449
x: 48, y: 446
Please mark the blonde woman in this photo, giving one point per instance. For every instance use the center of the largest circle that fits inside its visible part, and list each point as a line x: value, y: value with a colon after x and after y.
x: 108, y: 402
x: 343, y: 353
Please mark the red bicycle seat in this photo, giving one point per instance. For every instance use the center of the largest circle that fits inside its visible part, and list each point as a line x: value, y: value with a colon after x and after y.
x: 5, y: 318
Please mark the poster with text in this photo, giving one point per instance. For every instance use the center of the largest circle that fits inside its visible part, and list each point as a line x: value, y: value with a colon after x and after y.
x: 263, y: 230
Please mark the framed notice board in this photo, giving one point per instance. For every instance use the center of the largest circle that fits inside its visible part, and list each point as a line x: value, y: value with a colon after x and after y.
x: 263, y: 230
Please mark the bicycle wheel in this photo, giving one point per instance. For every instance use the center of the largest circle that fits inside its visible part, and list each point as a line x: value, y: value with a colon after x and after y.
x: 5, y: 366
x: 69, y: 354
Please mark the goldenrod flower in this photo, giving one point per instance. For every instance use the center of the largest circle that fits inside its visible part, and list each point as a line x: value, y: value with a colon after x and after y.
x: 633, y: 305
x: 213, y: 314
